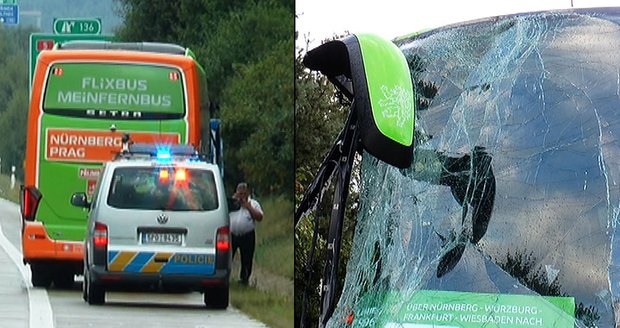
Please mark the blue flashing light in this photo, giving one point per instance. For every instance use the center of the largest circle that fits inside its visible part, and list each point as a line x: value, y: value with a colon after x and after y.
x: 163, y: 153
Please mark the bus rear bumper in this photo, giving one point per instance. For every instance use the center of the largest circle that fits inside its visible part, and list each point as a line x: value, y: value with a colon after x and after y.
x: 37, y: 245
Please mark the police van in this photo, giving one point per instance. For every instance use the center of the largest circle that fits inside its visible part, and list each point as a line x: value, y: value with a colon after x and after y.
x: 158, y: 218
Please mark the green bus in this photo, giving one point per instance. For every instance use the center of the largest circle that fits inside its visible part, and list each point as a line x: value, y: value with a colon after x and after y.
x: 86, y: 96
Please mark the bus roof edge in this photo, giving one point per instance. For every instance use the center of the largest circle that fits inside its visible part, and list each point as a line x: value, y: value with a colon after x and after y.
x: 168, y: 48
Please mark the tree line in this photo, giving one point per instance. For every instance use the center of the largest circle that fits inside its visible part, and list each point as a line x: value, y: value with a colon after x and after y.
x: 245, y: 47
x: 14, y: 52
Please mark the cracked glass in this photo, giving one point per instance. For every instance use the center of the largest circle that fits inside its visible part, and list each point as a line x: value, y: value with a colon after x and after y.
x: 508, y: 215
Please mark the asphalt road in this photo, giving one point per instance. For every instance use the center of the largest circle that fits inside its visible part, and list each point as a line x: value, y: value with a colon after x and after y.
x: 22, y: 305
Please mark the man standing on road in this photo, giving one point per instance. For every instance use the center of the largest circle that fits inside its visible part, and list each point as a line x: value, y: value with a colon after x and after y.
x: 242, y: 225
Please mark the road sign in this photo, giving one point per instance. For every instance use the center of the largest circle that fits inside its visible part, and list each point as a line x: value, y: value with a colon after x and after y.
x: 8, y: 2
x: 40, y: 42
x: 77, y: 25
x: 9, y: 14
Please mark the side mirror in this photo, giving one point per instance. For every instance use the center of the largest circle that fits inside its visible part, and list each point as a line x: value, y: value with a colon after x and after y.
x: 373, y: 73
x: 79, y: 199
x: 233, y: 204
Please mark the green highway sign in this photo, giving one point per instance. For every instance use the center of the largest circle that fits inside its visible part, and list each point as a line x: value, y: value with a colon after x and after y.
x: 40, y: 42
x: 77, y: 25
x: 8, y: 2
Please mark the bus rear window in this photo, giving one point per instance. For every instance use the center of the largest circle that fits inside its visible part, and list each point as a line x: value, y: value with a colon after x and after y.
x: 110, y: 90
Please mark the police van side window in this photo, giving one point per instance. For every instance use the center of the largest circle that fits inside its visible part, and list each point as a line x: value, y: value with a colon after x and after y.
x: 203, y: 190
x: 122, y: 193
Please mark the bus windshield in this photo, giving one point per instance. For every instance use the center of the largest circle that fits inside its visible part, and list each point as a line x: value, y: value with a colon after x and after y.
x: 508, y: 215
x: 122, y: 91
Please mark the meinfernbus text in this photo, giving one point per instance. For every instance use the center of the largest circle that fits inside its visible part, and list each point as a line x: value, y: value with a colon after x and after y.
x: 85, y: 96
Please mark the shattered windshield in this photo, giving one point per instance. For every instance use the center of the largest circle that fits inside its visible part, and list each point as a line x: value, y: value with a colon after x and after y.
x: 507, y: 216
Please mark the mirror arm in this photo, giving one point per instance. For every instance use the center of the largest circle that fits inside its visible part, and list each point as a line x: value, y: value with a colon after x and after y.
x: 313, y: 194
x: 348, y: 148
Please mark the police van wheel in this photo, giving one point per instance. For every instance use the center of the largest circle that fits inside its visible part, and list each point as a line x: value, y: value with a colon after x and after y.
x: 85, y: 284
x: 84, y: 294
x: 41, y: 275
x: 93, y: 294
x: 217, y: 297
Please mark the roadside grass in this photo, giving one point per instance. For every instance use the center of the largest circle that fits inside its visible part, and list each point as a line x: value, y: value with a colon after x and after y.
x: 5, y: 189
x: 270, y: 308
x: 274, y: 237
x: 273, y: 256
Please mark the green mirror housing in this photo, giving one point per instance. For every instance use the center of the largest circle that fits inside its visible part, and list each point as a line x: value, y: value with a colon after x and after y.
x: 373, y: 73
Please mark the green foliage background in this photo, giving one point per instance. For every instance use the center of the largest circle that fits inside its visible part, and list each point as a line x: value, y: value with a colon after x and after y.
x: 14, y: 49
x: 245, y: 47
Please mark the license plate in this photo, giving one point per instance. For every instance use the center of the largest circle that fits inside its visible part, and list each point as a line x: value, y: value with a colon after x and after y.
x: 162, y: 238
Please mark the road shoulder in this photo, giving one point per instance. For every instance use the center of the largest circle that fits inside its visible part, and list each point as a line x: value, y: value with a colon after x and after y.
x: 32, y: 305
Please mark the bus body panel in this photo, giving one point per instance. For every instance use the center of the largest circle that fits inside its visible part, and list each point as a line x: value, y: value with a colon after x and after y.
x: 65, y: 177
x: 58, y: 229
x: 37, y: 245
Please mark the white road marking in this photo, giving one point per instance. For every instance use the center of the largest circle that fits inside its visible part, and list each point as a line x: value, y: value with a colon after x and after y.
x: 38, y: 301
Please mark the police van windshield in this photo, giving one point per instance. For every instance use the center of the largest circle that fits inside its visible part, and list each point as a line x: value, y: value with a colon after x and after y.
x: 163, y: 188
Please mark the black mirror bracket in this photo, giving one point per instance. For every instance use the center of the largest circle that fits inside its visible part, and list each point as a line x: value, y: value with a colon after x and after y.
x: 339, y: 161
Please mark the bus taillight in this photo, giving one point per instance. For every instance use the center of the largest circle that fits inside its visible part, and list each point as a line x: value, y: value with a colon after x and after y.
x: 222, y: 239
x: 30, y: 199
x: 100, y: 236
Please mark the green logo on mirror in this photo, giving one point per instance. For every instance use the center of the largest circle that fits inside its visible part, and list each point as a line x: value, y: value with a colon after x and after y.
x: 390, y: 88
